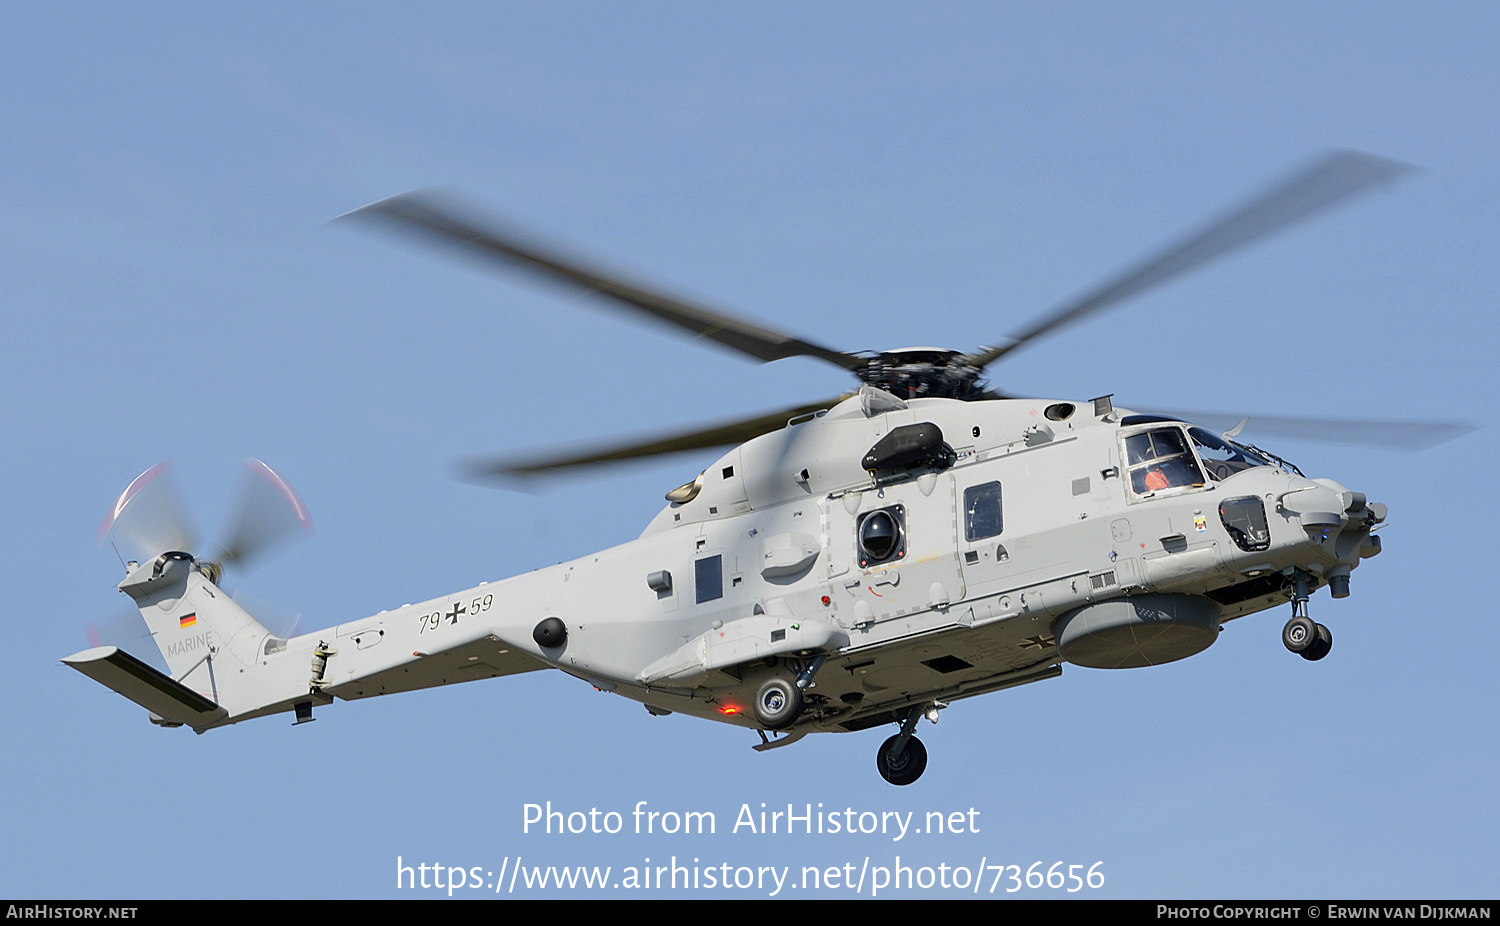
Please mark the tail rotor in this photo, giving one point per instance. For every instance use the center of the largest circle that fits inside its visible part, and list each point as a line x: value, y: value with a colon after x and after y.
x: 149, y: 523
x: 149, y: 519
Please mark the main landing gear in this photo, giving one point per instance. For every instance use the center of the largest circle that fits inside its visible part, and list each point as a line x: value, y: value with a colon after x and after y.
x: 778, y: 701
x: 1309, y: 640
x: 902, y: 759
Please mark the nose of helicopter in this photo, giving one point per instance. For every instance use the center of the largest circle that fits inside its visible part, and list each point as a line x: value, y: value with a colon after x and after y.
x: 1338, y: 520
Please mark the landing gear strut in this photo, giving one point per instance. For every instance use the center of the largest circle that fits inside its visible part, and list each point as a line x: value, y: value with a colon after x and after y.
x: 1309, y: 640
x: 902, y: 759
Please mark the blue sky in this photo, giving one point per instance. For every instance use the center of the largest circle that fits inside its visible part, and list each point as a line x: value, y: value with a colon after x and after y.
x: 867, y: 175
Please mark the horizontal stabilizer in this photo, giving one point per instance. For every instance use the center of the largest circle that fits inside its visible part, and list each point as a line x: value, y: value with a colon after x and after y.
x: 174, y: 703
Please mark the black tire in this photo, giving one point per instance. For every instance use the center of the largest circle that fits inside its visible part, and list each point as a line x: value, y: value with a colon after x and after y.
x: 908, y: 768
x: 1298, y: 634
x: 1322, y: 643
x: 778, y: 703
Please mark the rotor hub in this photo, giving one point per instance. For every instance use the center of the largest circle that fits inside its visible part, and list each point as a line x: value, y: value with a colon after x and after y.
x: 925, y: 372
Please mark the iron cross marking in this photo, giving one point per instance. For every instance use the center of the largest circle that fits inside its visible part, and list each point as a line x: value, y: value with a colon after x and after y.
x: 457, y: 610
x: 1038, y: 642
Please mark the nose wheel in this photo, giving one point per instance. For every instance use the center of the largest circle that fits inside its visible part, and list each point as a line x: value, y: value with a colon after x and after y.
x: 1311, y: 641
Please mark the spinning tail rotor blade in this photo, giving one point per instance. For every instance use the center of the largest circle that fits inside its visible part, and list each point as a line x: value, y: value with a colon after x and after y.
x: 1410, y: 436
x: 1329, y: 181
x: 731, y: 432
x: 270, y: 513
x: 424, y: 213
x: 148, y: 518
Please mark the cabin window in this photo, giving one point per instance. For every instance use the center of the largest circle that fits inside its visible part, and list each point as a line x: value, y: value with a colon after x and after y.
x: 982, y: 511
x: 708, y: 578
x: 1161, y: 460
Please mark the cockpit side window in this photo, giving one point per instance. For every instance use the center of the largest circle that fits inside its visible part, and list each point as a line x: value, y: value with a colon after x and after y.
x: 1160, y: 460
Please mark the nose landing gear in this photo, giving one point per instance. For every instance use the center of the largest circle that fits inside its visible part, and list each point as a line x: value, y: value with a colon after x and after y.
x: 1301, y: 635
x: 1309, y: 640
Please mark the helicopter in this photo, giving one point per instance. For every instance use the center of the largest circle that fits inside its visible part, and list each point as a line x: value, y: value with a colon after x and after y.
x: 856, y: 562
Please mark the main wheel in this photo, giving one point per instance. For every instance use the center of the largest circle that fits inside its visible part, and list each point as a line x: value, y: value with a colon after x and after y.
x: 908, y: 768
x: 1322, y: 643
x: 1299, y: 633
x: 778, y: 702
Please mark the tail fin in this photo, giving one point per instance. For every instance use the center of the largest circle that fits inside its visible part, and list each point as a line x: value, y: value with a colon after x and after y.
x: 194, y: 622
x: 210, y: 643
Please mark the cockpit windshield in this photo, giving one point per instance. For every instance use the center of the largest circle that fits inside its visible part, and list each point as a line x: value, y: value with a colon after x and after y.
x: 1223, y: 458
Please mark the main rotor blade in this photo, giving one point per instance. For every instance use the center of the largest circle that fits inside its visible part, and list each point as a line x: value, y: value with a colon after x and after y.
x: 1329, y: 181
x: 1397, y: 435
x: 424, y: 213
x: 732, y: 432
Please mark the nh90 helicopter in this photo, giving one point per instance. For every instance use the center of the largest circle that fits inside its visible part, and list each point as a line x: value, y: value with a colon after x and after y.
x: 852, y: 563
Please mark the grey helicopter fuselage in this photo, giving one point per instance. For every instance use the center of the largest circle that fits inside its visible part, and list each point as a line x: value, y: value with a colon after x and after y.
x: 856, y: 562
x: 1037, y: 533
